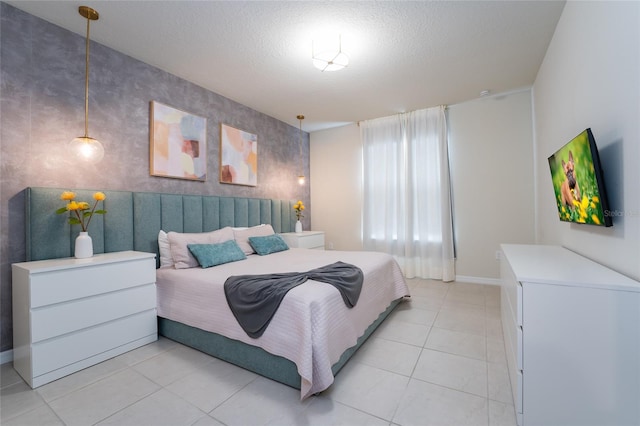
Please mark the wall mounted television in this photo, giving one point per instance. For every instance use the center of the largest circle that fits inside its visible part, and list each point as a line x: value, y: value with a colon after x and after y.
x: 578, y: 182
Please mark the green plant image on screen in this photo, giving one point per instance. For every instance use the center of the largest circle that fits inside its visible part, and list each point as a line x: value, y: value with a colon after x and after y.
x: 581, y: 201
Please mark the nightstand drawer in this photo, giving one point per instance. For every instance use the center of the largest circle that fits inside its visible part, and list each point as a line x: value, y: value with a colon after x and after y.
x: 75, y: 283
x: 312, y: 241
x: 57, y: 353
x: 306, y: 239
x: 63, y: 318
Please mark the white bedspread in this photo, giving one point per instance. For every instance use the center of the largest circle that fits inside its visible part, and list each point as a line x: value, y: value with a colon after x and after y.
x: 312, y: 326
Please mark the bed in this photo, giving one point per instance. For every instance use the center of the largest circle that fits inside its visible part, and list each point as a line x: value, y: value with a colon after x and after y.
x: 312, y: 334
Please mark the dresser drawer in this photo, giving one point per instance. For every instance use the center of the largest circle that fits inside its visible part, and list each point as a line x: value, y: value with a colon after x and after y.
x: 519, y: 306
x: 57, y: 353
x: 75, y: 283
x: 63, y: 318
x: 519, y: 386
x: 520, y: 364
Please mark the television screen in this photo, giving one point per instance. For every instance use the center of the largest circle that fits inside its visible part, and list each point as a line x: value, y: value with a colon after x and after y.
x: 578, y: 183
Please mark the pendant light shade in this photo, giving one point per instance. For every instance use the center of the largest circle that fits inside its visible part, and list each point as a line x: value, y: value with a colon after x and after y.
x: 86, y: 148
x: 301, y: 175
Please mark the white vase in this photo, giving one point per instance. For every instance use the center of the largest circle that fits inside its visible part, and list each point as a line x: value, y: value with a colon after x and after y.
x: 298, y: 227
x: 84, y: 246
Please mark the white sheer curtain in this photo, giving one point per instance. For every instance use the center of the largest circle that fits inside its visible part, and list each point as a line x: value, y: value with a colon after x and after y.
x: 407, y: 194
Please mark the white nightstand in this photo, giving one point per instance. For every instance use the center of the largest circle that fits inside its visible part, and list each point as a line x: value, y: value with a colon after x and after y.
x: 69, y: 314
x: 305, y: 239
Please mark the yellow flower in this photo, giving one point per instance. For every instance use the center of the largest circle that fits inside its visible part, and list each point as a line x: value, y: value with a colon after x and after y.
x: 595, y: 219
x: 595, y: 199
x: 298, y: 207
x: 68, y: 196
x: 81, y: 212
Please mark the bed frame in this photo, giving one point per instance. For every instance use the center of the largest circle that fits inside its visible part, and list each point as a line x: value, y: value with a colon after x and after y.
x: 133, y: 222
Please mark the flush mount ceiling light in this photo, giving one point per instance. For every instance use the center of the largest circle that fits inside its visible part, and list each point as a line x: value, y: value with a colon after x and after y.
x: 301, y: 175
x: 327, y: 54
x: 84, y: 147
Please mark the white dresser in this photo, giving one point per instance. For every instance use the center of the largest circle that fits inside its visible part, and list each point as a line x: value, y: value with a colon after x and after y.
x: 305, y: 239
x: 70, y: 313
x: 572, y: 336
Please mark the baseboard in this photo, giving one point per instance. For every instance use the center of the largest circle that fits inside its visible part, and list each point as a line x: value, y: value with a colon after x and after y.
x: 477, y: 280
x: 6, y: 356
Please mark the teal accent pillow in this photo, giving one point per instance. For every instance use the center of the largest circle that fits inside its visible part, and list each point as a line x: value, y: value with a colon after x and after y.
x: 268, y: 244
x: 209, y: 255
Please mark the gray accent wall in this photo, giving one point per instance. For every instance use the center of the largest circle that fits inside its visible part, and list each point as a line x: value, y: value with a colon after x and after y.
x: 42, y: 108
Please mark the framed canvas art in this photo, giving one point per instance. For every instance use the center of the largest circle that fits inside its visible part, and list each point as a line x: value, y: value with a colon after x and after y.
x: 178, y: 146
x: 238, y: 156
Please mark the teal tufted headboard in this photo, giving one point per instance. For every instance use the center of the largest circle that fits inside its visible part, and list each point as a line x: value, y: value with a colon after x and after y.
x: 134, y: 219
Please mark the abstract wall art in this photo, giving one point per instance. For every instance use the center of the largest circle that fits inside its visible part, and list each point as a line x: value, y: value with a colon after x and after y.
x: 178, y: 146
x: 238, y: 156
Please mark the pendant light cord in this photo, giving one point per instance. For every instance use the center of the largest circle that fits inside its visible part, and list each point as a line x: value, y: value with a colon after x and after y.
x: 86, y: 83
x: 300, y: 117
x: 300, y: 146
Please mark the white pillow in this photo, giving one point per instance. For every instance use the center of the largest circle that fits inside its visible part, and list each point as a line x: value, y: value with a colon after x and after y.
x: 166, y: 261
x: 181, y: 254
x: 242, y: 228
x: 242, y: 236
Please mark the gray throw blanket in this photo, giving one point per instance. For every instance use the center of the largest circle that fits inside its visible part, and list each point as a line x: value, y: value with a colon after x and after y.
x: 254, y: 299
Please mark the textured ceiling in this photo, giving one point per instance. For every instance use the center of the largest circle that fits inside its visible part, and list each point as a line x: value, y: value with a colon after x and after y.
x: 403, y: 55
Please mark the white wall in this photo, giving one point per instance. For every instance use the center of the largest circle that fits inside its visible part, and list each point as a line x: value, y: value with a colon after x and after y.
x: 491, y: 158
x: 590, y: 77
x: 336, y: 190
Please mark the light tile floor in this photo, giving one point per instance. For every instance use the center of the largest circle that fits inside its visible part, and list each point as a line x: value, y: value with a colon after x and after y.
x: 437, y: 360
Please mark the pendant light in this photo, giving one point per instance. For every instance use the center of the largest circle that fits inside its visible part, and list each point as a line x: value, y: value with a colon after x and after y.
x: 301, y: 175
x: 86, y: 148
